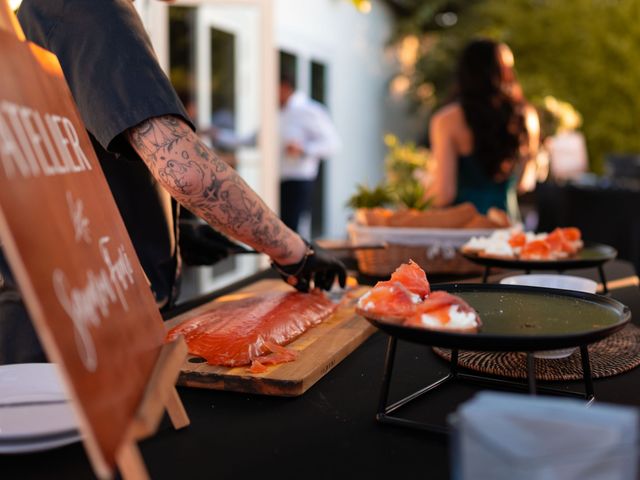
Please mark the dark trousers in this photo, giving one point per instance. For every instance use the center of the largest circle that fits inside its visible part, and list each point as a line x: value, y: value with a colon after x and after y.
x: 19, y: 342
x: 295, y: 199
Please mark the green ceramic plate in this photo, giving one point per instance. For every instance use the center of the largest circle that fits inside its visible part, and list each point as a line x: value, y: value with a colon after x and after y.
x: 523, y: 318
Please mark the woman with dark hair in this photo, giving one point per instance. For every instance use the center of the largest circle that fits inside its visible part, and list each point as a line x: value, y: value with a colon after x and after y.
x: 485, y: 142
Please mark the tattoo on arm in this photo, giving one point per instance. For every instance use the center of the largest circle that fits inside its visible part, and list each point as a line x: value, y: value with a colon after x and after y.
x: 206, y: 185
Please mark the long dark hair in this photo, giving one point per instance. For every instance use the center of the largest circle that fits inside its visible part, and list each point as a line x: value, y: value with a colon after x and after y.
x: 493, y: 108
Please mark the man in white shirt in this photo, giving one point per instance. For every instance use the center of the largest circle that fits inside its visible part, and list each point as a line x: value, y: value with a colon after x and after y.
x: 307, y: 136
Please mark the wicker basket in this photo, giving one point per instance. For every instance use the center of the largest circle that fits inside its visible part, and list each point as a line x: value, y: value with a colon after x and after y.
x: 384, y: 262
x: 435, y: 250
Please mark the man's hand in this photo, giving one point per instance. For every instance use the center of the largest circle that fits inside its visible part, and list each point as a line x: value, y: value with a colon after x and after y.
x: 318, y: 266
x: 294, y: 150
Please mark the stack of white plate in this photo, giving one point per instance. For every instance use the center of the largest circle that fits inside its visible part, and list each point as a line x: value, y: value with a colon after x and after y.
x: 35, y: 411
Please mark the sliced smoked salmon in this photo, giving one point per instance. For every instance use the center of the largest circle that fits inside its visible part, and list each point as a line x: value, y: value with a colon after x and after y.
x: 560, y: 243
x: 393, y: 301
x: 413, y: 278
x: 279, y: 354
x: 518, y: 239
x: 536, y: 250
x: 443, y: 311
x: 254, y: 328
x: 390, y: 300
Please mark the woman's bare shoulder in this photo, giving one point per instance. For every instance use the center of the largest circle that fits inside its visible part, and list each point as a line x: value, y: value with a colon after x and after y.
x: 449, y: 111
x: 450, y: 114
x: 529, y: 110
x: 532, y: 121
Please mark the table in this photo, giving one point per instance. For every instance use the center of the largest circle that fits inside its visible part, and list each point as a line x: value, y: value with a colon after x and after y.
x: 330, y: 431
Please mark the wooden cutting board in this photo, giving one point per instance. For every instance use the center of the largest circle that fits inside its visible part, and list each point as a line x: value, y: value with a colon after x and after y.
x: 320, y: 349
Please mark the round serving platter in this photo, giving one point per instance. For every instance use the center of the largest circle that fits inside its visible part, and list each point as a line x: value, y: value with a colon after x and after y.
x: 522, y: 318
x: 591, y: 255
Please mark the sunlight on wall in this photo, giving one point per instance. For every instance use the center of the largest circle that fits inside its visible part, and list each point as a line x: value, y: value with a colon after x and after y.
x: 364, y: 6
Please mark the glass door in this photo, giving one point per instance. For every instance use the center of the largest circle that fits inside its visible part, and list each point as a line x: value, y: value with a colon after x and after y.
x: 214, y: 64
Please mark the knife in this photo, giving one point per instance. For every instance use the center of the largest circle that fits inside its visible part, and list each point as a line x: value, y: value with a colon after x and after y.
x: 346, y: 247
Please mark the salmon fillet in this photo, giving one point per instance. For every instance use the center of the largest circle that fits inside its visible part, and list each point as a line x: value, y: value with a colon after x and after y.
x: 241, y: 331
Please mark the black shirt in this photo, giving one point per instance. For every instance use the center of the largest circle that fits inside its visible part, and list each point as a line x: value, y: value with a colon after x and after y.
x: 117, y: 83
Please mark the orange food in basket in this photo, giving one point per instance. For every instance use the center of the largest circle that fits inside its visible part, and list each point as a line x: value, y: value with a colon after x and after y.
x: 413, y: 278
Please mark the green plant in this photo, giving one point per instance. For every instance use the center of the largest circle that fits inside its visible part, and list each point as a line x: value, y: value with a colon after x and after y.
x: 366, y: 197
x: 411, y: 194
x: 405, y: 166
x: 405, y: 162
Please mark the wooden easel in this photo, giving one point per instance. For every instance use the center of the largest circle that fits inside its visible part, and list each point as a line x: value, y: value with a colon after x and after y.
x: 160, y: 376
x: 160, y: 395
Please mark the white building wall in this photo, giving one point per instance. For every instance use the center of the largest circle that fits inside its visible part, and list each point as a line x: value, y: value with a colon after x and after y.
x: 352, y: 44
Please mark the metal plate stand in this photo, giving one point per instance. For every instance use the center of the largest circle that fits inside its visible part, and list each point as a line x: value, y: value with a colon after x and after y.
x: 386, y: 412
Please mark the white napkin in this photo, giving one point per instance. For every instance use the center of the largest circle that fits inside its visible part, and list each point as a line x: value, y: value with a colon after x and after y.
x: 509, y: 436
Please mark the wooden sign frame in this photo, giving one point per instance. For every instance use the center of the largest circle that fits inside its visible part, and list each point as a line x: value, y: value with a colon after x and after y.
x: 118, y: 307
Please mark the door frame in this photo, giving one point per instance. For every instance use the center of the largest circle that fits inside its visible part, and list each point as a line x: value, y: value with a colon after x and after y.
x: 155, y: 16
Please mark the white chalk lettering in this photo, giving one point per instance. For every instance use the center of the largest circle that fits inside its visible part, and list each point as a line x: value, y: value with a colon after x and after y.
x: 85, y: 306
x: 78, y: 220
x: 31, y: 146
x: 11, y: 111
x: 72, y: 136
x: 53, y: 156
x: 10, y: 152
x: 36, y: 140
x: 89, y: 304
x: 61, y: 142
x: 120, y: 271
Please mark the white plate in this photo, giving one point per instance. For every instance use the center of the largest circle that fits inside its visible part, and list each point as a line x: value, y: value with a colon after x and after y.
x: 563, y: 282
x: 38, y: 445
x: 22, y: 388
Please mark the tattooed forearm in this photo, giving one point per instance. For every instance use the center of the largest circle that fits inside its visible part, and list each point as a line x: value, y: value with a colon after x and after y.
x: 158, y: 135
x: 207, y: 186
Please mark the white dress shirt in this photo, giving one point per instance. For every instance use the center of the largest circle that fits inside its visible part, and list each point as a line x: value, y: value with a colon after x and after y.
x: 307, y: 123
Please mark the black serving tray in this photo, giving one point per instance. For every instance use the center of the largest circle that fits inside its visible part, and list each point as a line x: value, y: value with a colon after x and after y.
x: 522, y: 318
x: 591, y: 255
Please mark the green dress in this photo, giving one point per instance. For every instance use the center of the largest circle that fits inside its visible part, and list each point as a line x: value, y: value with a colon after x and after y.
x: 475, y: 186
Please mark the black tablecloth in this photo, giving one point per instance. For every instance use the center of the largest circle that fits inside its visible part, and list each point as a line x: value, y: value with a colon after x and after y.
x: 329, y: 432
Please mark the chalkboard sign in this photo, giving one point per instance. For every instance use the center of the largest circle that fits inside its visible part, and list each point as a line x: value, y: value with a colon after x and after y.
x: 70, y: 252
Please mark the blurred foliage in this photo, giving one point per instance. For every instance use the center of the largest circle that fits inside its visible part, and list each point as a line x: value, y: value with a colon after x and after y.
x: 557, y: 116
x: 366, y: 197
x: 582, y: 51
x: 405, y: 167
x: 411, y: 194
x: 404, y: 162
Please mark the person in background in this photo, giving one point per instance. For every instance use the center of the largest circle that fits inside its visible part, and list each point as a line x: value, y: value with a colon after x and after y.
x: 137, y: 124
x: 485, y: 142
x: 307, y: 136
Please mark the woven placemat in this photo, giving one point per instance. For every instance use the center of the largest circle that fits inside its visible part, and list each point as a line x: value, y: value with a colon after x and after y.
x: 614, y: 355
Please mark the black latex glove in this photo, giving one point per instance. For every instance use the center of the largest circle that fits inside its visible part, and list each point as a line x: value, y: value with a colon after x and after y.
x: 317, y: 265
x: 202, y: 245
